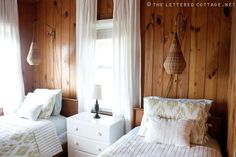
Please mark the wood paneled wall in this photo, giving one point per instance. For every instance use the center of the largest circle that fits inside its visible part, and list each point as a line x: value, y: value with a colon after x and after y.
x: 232, y: 93
x: 206, y: 48
x: 26, y: 17
x: 205, y: 45
x: 57, y: 69
x: 105, y: 9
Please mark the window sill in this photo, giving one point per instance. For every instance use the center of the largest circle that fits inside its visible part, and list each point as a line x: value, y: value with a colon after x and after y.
x: 102, y: 112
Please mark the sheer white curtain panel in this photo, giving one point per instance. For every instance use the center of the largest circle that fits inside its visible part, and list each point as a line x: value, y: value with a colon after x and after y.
x: 86, y: 17
x: 126, y: 57
x: 11, y: 79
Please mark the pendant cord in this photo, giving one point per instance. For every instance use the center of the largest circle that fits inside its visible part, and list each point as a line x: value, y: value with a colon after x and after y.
x: 170, y: 83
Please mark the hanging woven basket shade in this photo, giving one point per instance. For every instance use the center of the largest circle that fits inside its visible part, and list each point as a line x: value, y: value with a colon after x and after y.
x: 33, y: 57
x: 175, y: 62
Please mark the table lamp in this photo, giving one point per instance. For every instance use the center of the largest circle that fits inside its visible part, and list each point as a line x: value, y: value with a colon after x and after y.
x: 97, y: 94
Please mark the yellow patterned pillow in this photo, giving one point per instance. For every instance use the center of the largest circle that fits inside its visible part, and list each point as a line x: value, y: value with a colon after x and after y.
x: 192, y: 109
x: 48, y: 101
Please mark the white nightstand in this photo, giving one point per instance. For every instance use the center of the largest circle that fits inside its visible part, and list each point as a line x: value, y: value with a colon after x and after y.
x: 87, y: 137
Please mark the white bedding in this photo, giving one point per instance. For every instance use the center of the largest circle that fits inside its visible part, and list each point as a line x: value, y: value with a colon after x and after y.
x: 31, y: 138
x: 59, y: 122
x: 132, y: 145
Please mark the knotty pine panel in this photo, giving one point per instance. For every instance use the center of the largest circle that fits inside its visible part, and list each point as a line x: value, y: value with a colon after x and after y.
x: 205, y: 45
x: 65, y: 43
x: 206, y: 52
x: 26, y: 17
x: 57, y: 12
x: 185, y: 40
x: 58, y: 66
x: 206, y: 48
x: 104, y: 9
x: 231, y: 99
x: 148, y: 48
x: 158, y: 49
x: 169, y: 27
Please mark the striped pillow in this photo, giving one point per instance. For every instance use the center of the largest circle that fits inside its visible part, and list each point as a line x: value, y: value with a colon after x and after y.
x: 169, y: 131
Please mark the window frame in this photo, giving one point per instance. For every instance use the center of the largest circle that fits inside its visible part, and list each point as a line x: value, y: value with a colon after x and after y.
x: 102, y: 25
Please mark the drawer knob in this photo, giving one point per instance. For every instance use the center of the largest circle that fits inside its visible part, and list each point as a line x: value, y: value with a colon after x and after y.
x: 99, y: 133
x: 99, y: 149
x: 76, y: 129
x: 76, y: 143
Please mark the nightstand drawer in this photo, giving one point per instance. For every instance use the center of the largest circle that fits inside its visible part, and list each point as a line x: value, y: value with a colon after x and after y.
x: 86, y: 145
x: 99, y: 133
x: 75, y: 153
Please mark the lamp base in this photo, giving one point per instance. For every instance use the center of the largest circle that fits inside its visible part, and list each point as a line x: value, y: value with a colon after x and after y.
x: 96, y: 116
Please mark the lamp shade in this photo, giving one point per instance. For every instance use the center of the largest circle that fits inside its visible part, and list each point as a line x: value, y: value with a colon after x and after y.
x: 33, y: 57
x: 175, y: 62
x: 97, y: 92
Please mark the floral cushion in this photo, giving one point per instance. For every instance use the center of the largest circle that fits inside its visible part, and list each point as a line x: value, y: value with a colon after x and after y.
x: 49, y: 102
x: 193, y: 109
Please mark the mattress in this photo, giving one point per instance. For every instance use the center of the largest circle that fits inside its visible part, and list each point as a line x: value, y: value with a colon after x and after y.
x: 59, y: 122
x: 22, y: 137
x: 132, y: 145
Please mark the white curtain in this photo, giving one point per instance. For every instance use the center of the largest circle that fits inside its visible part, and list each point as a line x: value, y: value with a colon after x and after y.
x: 11, y: 80
x: 126, y: 56
x: 86, y: 16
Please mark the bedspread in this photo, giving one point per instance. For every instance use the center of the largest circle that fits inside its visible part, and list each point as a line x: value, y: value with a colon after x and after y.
x: 132, y: 145
x: 24, y: 138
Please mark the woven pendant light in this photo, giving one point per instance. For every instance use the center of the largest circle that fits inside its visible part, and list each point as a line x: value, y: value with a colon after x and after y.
x: 175, y: 62
x: 33, y: 57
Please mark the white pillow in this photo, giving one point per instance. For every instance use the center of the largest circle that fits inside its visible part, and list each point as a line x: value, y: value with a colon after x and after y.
x: 169, y: 131
x: 48, y: 101
x: 30, y: 112
x: 58, y: 98
x: 193, y: 109
x: 30, y: 108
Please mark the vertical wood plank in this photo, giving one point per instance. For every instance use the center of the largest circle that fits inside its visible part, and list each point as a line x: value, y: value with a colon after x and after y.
x: 26, y: 19
x: 148, y: 44
x: 231, y: 142
x: 185, y: 39
x: 170, y: 16
x: 72, y: 50
x: 102, y: 9
x: 110, y: 8
x: 158, y: 49
x: 198, y: 52
x: 223, y: 68
x: 42, y: 73
x: 143, y: 32
x: 65, y: 47
x: 213, y: 37
x: 57, y: 43
x: 49, y: 44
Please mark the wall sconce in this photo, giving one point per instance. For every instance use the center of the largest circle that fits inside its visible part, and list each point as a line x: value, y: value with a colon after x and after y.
x: 34, y: 57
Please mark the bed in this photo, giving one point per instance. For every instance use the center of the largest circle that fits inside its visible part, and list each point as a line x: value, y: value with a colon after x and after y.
x: 133, y: 145
x: 21, y: 137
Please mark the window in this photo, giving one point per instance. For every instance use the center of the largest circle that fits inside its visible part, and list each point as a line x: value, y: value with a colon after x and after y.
x: 104, y: 63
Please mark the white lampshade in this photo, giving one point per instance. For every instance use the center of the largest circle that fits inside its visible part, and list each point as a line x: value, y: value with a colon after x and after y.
x: 97, y: 92
x: 33, y: 57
